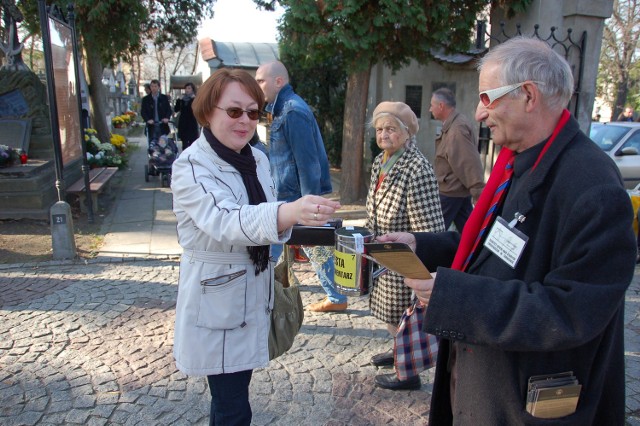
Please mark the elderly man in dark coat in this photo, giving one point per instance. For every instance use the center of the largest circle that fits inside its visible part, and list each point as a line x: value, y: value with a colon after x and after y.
x: 535, y: 284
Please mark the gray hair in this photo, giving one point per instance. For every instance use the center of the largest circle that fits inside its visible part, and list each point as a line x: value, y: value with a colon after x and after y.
x: 528, y: 59
x: 446, y: 96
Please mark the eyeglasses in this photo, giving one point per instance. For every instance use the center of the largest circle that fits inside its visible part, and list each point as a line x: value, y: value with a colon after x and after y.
x: 234, y: 112
x: 490, y: 96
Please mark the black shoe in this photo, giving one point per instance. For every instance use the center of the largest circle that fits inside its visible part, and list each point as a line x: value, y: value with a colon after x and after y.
x: 382, y: 360
x: 390, y: 381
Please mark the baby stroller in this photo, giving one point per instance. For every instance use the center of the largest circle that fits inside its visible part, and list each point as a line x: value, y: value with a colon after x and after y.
x: 162, y: 153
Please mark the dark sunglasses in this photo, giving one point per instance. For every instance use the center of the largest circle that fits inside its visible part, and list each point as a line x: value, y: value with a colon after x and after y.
x: 234, y: 112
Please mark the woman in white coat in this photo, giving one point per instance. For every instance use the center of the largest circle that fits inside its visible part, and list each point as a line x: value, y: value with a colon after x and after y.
x: 224, y: 200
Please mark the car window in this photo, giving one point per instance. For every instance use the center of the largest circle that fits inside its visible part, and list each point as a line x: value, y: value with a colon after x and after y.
x: 633, y: 142
x: 607, y: 136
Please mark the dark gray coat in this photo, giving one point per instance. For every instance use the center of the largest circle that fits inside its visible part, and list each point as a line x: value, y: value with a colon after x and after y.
x: 560, y: 309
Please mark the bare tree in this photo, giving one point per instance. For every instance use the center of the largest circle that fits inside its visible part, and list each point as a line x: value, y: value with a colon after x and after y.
x: 161, y: 62
x: 619, y: 54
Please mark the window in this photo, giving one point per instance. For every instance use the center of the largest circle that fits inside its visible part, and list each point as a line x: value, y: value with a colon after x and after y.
x: 633, y: 142
x: 413, y: 98
x: 607, y: 136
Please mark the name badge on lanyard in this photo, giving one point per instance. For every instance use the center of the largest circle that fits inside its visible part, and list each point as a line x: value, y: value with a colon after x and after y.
x: 505, y: 241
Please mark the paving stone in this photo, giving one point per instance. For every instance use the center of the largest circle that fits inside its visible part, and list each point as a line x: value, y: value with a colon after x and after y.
x: 28, y: 418
x: 106, y: 356
x: 78, y: 416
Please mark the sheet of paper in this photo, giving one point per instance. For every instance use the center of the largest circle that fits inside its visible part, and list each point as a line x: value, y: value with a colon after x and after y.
x: 399, y: 258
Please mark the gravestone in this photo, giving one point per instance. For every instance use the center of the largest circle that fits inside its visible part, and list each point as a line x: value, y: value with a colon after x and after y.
x: 13, y: 104
x: 26, y: 191
x: 24, y: 97
x: 16, y: 133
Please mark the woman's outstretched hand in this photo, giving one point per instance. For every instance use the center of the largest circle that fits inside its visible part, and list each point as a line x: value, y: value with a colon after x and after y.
x: 310, y: 210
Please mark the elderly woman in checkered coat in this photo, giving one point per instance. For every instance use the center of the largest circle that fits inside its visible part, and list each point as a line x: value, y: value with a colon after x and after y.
x: 403, y: 196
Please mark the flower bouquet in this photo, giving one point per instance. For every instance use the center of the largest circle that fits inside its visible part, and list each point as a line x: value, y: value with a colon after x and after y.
x: 8, y: 156
x: 111, y: 154
x: 121, y: 121
x: 119, y: 141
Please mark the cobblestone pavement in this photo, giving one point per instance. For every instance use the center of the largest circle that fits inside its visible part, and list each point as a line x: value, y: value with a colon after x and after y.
x: 90, y: 344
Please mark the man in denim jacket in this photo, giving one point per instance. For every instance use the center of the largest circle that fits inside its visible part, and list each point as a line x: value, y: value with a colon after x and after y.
x: 299, y: 165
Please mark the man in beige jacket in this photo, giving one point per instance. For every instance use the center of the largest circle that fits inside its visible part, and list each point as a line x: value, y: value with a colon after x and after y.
x: 457, y: 164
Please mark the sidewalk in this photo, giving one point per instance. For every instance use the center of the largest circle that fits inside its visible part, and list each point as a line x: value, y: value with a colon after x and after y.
x: 89, y: 343
x: 142, y: 222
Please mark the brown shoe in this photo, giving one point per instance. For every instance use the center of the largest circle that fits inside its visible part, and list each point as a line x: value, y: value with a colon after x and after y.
x: 326, y: 306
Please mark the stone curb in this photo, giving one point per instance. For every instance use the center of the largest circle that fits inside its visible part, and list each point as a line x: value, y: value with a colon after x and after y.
x: 84, y: 262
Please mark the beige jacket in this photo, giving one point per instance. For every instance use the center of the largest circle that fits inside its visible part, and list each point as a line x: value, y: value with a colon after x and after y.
x: 457, y: 162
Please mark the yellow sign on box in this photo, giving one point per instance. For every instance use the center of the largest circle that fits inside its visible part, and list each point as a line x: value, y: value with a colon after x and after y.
x: 635, y: 203
x: 345, y: 269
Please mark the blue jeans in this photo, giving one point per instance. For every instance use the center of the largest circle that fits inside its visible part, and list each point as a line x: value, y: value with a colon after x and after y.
x: 230, y: 399
x: 321, y: 259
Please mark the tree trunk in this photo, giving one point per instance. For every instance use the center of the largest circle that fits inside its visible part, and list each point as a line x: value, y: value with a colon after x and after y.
x: 138, y: 76
x: 97, y: 95
x: 622, y: 89
x: 355, y: 109
x: 195, y: 59
x: 621, y: 97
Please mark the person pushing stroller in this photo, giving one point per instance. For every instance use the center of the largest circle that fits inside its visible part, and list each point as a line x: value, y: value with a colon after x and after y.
x: 156, y: 112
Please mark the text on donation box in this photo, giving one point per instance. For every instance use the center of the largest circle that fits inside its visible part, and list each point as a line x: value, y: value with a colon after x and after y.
x: 345, y: 267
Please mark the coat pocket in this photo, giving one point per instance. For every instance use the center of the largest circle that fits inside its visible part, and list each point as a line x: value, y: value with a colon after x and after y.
x: 223, y: 300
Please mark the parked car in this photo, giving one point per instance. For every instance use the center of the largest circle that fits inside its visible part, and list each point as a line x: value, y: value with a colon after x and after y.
x: 621, y: 141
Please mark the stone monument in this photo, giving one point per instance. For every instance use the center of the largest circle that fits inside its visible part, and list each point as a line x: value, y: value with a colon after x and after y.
x: 26, y: 190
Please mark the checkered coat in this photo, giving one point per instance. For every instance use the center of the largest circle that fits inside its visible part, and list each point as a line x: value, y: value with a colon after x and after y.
x: 407, y: 201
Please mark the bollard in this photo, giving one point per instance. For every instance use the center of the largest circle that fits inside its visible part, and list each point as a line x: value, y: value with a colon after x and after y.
x: 62, y: 238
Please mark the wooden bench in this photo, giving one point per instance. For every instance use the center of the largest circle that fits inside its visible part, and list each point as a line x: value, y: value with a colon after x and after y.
x: 98, y: 179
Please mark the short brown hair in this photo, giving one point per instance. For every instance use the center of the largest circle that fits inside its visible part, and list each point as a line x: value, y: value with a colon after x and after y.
x: 209, y: 94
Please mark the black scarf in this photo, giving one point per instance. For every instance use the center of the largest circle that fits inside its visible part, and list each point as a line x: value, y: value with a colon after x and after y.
x: 246, y: 165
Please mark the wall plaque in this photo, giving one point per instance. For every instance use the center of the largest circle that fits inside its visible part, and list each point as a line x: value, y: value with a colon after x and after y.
x: 16, y: 133
x: 13, y: 105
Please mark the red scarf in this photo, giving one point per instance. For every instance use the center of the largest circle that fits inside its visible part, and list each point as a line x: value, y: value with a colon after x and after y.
x: 474, y: 223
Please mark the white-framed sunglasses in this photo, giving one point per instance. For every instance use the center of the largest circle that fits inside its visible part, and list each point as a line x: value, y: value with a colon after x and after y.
x: 490, y: 96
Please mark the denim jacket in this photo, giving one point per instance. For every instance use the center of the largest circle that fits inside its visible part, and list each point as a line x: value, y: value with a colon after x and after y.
x: 299, y: 163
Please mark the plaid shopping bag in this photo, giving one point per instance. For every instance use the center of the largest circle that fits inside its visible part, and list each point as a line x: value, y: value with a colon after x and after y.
x: 413, y: 350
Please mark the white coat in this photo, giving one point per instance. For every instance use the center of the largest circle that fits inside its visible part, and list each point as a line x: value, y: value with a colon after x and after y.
x: 223, y: 308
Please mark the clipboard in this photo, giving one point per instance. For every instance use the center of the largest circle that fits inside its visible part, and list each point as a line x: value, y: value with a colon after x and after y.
x: 399, y: 258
